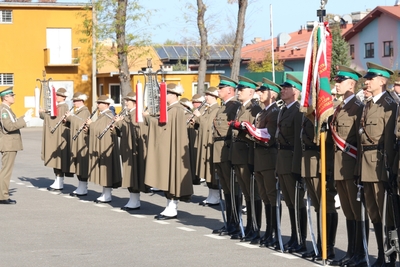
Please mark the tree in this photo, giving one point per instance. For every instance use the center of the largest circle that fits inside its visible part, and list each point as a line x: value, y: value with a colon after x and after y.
x: 118, y: 21
x: 266, y: 64
x: 201, y: 10
x: 237, y: 45
x: 340, y: 49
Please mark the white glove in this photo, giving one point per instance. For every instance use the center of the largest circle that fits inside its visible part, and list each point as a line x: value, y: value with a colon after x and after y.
x: 28, y: 115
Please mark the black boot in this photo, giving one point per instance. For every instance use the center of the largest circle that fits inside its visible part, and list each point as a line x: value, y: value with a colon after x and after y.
x: 236, y: 233
x: 301, y: 246
x: 359, y: 259
x: 293, y: 237
x: 351, y: 235
x: 268, y: 231
x: 255, y: 239
x: 332, y: 223
x: 311, y: 254
x: 380, y: 261
x: 272, y: 241
x: 228, y: 208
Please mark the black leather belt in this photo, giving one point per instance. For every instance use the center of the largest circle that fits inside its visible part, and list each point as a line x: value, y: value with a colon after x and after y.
x: 305, y: 147
x: 283, y: 147
x: 222, y: 138
x: 370, y: 147
x: 266, y: 146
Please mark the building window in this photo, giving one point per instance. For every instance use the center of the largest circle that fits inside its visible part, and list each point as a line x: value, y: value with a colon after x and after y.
x: 5, y: 16
x: 6, y: 79
x: 115, y: 93
x: 101, y: 90
x: 59, y: 42
x: 195, y: 90
x: 352, y: 51
x: 369, y: 50
x: 388, y: 49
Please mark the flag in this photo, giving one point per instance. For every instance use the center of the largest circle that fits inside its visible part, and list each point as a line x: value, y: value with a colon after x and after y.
x: 53, y: 101
x: 316, y: 98
x: 260, y: 134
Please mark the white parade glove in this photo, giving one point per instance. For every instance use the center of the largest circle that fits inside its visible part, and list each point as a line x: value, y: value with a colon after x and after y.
x: 28, y: 115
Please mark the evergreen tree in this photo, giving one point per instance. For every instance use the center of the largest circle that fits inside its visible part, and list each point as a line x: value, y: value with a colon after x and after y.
x: 340, y: 50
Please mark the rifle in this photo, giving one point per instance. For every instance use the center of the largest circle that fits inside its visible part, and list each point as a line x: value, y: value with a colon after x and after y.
x: 84, y: 125
x: 109, y: 125
x: 59, y: 122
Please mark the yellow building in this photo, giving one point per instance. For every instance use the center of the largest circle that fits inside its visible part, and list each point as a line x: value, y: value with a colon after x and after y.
x: 108, y: 75
x: 39, y: 37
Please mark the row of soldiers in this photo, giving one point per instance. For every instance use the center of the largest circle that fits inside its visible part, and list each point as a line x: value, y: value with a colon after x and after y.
x: 242, y: 147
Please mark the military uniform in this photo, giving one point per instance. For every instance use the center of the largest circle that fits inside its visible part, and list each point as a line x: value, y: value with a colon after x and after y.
x: 10, y: 143
x: 265, y: 162
x: 242, y: 151
x: 104, y: 162
x: 205, y: 165
x: 79, y: 146
x: 56, y: 148
x: 222, y: 137
x: 377, y: 142
x: 169, y: 170
x: 288, y: 163
x: 344, y: 126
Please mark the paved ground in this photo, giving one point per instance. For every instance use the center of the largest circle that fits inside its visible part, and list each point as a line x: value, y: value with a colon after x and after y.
x: 54, y: 229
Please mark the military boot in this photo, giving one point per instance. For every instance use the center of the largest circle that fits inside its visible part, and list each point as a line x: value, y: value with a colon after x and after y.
x: 301, y: 246
x: 359, y: 259
x: 351, y: 235
x: 268, y: 232
x: 293, y: 237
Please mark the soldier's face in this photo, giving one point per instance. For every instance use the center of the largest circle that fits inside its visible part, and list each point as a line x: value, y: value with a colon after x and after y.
x: 343, y: 86
x: 374, y: 85
x: 10, y: 99
x: 245, y: 94
x: 287, y: 93
x: 130, y: 104
x: 264, y: 95
x: 197, y: 104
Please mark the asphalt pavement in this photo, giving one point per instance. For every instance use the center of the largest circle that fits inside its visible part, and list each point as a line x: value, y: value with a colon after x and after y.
x: 53, y: 229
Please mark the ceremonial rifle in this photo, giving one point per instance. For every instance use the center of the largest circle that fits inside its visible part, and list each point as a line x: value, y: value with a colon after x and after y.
x: 83, y: 125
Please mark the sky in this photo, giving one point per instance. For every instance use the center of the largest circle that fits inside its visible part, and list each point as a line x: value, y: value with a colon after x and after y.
x: 169, y: 19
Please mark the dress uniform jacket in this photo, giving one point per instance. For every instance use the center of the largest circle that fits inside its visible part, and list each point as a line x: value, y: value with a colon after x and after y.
x: 10, y: 135
x: 243, y: 144
x: 79, y: 146
x: 10, y: 143
x: 132, y: 157
x: 104, y: 163
x: 168, y: 159
x: 222, y: 133
x: 289, y: 125
x: 55, y: 146
x: 379, y: 125
x: 347, y: 123
x: 205, y: 168
x: 192, y: 135
x: 265, y: 154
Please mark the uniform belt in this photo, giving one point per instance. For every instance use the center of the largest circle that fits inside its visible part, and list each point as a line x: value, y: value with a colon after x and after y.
x: 283, y: 147
x: 240, y: 140
x: 305, y: 147
x: 222, y: 138
x: 370, y: 147
x: 266, y: 146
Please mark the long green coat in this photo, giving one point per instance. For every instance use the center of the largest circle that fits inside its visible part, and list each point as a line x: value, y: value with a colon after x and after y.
x: 79, y: 147
x: 104, y: 163
x: 132, y: 152
x: 168, y: 159
x: 55, y: 146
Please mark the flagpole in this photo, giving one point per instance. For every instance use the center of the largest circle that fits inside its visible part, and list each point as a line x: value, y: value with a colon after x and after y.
x: 272, y: 43
x: 321, y: 13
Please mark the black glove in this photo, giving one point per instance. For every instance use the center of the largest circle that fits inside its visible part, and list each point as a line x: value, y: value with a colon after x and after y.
x: 297, y: 176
